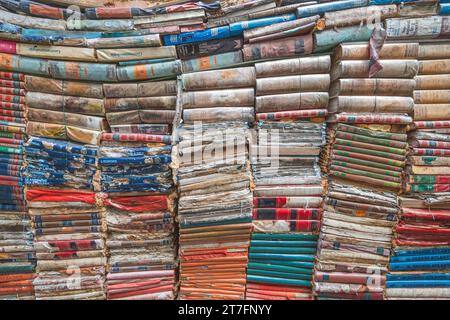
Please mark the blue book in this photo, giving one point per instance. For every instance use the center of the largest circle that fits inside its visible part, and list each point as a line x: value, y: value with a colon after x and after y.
x: 421, y: 265
x: 424, y: 276
x: 6, y: 27
x: 62, y: 146
x: 419, y: 284
x: 321, y: 8
x: 445, y: 250
x: 427, y: 257
x: 237, y: 28
x: 444, y: 9
x: 135, y: 160
x: 384, y: 2
x: 197, y: 36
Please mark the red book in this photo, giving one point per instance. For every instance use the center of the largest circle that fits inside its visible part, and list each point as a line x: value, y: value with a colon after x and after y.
x: 286, y: 214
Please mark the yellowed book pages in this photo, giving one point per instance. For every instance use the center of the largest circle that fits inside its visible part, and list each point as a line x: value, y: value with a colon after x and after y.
x: 70, y: 119
x: 433, y: 82
x: 111, y: 55
x: 369, y: 104
x: 434, y: 51
x: 284, y: 67
x: 441, y: 66
x: 300, y: 83
x: 56, y: 52
x: 219, y: 98
x: 372, y: 87
x: 360, y: 51
x: 59, y: 131
x: 360, y: 69
x: 64, y: 87
x: 430, y: 170
x: 432, y: 112
x: 431, y: 96
x: 223, y: 79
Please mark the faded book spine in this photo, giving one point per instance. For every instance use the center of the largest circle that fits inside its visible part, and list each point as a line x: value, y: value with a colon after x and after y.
x: 278, y: 48
x: 297, y: 66
x: 218, y: 98
x: 292, y: 101
x: 350, y: 51
x: 63, y: 87
x: 290, y: 84
x: 372, y: 104
x: 224, y: 79
x: 145, y: 89
x: 372, y: 87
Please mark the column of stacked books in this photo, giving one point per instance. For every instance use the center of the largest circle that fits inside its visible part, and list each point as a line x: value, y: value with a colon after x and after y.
x: 62, y: 178
x: 291, y: 102
x: 68, y: 226
x: 137, y: 182
x: 17, y: 259
x: 370, y: 105
x: 214, y: 181
x: 430, y: 132
x: 420, y: 267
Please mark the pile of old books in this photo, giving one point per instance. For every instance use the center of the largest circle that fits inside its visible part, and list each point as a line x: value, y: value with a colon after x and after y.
x: 214, y: 210
x: 214, y: 180
x: 17, y: 257
x: 364, y: 161
x: 68, y: 110
x: 377, y: 99
x: 291, y: 102
x: 140, y: 103
x: 429, y: 162
x: 362, y: 155
x: 136, y: 180
x: 141, y: 247
x: 420, y: 265
x: 135, y: 162
x: 292, y: 89
x: 69, y: 231
x: 281, y: 264
x: 68, y: 226
x: 355, y: 243
x: 60, y: 164
x: 373, y: 87
x: 244, y: 32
